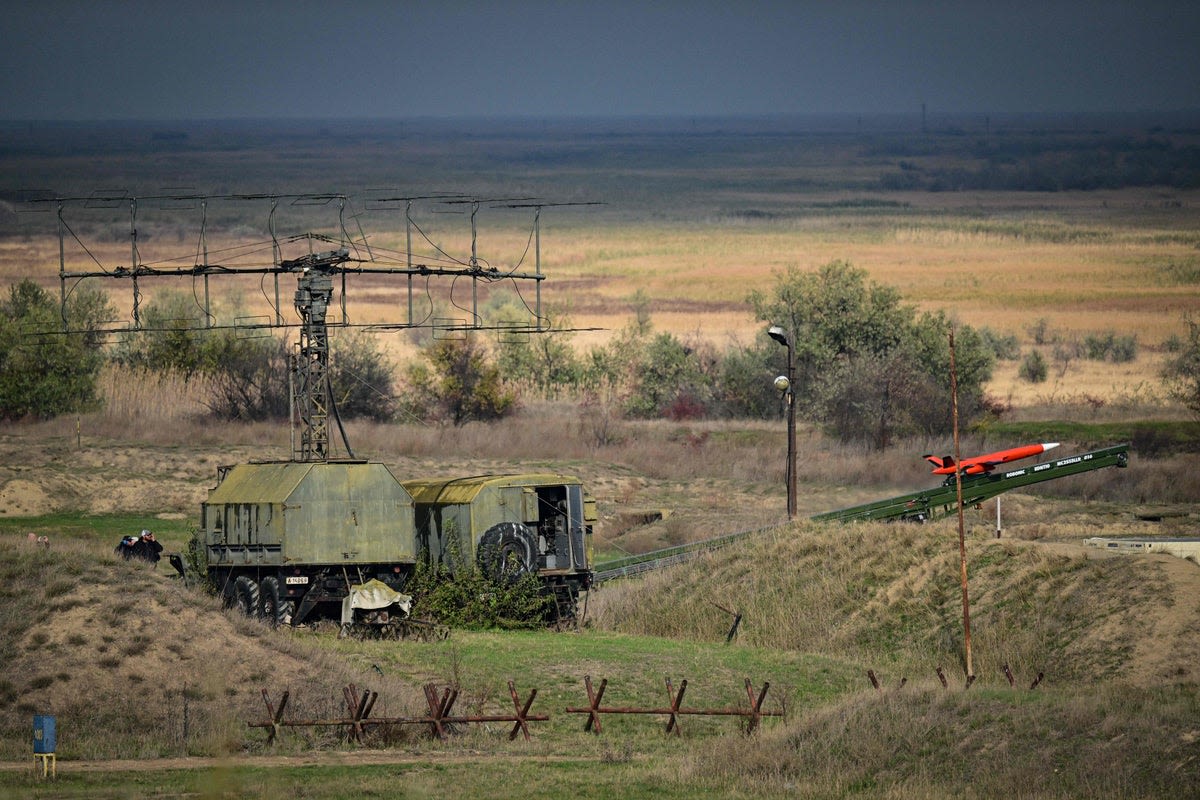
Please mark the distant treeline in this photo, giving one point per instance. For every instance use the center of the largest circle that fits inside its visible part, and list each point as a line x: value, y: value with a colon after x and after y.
x: 1052, y: 164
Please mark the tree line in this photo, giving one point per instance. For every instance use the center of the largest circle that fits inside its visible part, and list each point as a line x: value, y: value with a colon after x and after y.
x: 867, y: 366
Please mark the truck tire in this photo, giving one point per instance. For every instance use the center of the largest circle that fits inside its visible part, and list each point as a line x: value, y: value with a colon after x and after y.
x: 271, y: 607
x: 245, y: 595
x: 507, y: 551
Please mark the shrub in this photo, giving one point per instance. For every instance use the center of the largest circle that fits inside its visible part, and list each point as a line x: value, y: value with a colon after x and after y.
x: 1097, y: 346
x: 467, y: 598
x: 1108, y: 346
x: 1004, y: 346
x: 545, y: 360
x: 1033, y: 368
x: 744, y: 387
x: 172, y: 338
x: 665, y: 370
x: 1041, y: 333
x: 360, y: 376
x: 866, y: 366
x: 45, y: 371
x: 457, y: 382
x: 1181, y: 372
x: 685, y: 406
x: 248, y: 375
x: 1124, y: 348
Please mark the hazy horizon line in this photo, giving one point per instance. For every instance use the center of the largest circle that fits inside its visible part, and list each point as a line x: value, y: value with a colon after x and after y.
x: 569, y: 117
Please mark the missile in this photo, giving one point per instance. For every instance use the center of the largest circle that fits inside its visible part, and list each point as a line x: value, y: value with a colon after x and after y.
x: 979, y: 465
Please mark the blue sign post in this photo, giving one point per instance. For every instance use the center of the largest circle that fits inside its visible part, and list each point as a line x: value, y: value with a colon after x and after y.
x: 45, y: 739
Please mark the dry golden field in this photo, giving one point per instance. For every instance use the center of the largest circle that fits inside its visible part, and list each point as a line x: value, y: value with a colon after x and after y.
x: 1086, y: 262
x: 1082, y: 263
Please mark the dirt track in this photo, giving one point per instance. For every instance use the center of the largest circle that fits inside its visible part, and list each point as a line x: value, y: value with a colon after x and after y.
x: 355, y: 758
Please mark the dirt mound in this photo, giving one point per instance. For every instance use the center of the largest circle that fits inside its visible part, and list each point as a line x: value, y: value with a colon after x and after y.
x: 134, y: 663
x: 57, y: 474
x: 1167, y: 647
x: 24, y: 498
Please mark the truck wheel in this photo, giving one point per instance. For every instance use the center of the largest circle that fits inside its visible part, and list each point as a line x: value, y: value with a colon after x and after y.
x: 507, y: 551
x: 245, y: 593
x: 272, y: 608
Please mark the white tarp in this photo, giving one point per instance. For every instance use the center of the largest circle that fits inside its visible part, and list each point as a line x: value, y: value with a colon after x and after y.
x: 372, y: 595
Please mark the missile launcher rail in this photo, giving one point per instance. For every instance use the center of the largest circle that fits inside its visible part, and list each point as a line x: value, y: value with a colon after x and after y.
x: 942, y: 500
x: 919, y: 506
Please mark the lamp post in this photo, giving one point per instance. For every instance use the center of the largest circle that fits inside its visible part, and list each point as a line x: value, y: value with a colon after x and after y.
x: 786, y: 384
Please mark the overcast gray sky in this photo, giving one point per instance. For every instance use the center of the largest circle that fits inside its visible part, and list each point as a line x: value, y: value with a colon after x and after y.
x: 125, y: 59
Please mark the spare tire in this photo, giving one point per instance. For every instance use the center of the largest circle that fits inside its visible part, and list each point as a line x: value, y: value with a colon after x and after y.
x: 507, y: 551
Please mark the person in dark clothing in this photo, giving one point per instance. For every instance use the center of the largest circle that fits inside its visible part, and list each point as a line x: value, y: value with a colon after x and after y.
x: 144, y: 547
x: 125, y: 547
x: 148, y: 547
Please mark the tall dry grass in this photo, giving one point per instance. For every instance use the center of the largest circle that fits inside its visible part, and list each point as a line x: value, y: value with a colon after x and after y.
x: 164, y: 410
x: 923, y: 741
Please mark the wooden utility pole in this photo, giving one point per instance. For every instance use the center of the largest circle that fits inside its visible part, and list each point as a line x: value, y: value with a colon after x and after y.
x: 962, y: 539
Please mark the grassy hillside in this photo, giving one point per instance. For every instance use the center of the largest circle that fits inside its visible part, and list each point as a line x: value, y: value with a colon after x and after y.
x: 889, y: 595
x: 132, y: 662
x: 1098, y: 741
x: 136, y: 665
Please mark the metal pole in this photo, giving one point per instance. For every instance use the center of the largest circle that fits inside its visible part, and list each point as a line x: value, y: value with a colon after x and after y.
x: 537, y: 261
x: 277, y: 257
x: 476, y: 321
x: 962, y: 540
x: 789, y: 391
x: 408, y: 248
x: 133, y: 263
x: 791, y: 434
x: 62, y: 270
x: 208, y: 317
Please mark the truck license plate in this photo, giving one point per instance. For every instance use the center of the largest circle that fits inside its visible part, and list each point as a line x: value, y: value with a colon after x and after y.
x: 296, y: 579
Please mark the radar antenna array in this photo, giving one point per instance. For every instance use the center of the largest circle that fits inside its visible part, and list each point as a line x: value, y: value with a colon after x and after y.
x: 310, y: 393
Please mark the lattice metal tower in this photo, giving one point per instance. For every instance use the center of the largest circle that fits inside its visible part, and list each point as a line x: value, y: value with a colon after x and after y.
x: 311, y: 396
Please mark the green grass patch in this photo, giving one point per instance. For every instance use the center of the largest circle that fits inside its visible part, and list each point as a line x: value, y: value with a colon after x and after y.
x: 97, y: 527
x: 636, y: 668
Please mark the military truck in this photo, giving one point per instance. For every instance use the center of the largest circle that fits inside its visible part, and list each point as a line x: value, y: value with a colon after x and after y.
x: 284, y: 539
x: 289, y: 540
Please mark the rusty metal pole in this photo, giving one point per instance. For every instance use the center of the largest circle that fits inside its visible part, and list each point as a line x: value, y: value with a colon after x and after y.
x: 962, y: 539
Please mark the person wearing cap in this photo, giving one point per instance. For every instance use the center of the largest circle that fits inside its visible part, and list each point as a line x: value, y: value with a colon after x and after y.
x: 148, y: 547
x: 143, y: 546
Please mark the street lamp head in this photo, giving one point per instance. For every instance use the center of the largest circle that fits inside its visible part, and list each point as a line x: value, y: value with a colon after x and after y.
x: 777, y: 333
x: 782, y: 383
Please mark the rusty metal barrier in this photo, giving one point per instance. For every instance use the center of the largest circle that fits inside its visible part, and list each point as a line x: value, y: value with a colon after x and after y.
x: 753, y: 714
x: 1008, y: 674
x: 441, y: 706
